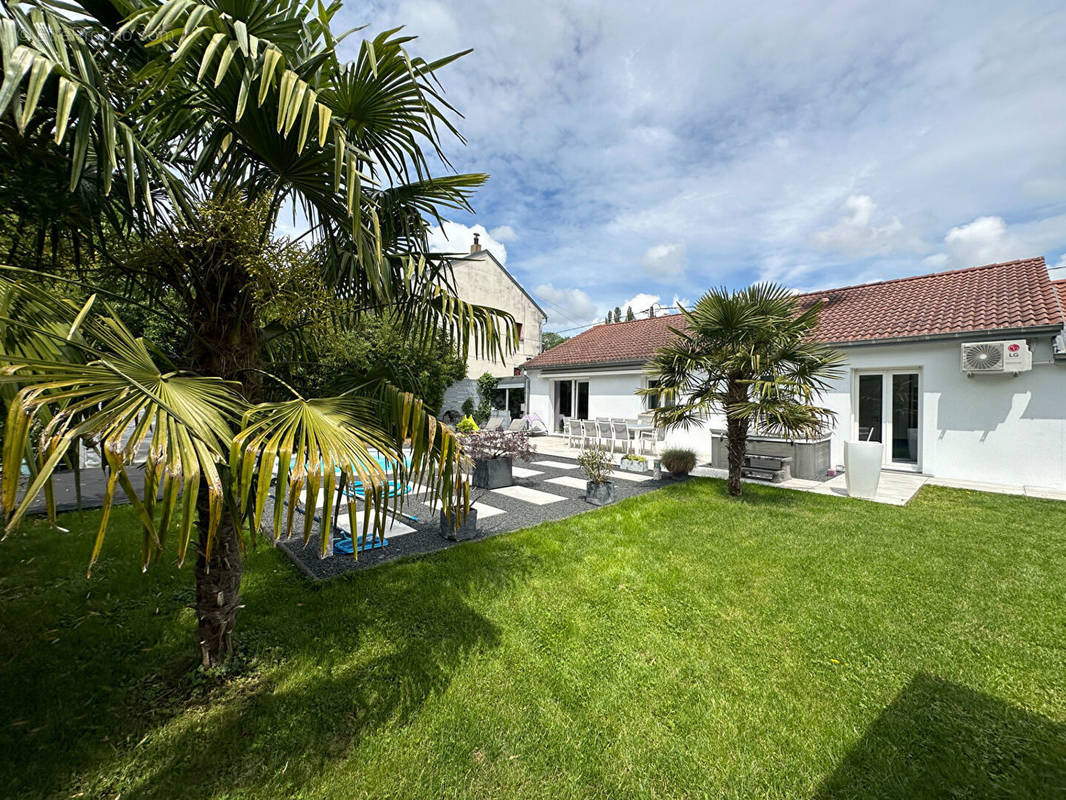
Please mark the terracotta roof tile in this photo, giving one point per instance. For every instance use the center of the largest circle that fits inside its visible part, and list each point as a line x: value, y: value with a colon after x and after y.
x: 615, y: 343
x: 1060, y: 289
x: 1011, y: 295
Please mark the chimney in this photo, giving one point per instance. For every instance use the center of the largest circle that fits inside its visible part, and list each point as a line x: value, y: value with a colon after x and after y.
x: 476, y: 246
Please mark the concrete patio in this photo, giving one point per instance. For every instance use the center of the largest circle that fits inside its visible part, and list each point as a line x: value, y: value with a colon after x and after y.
x: 895, y: 488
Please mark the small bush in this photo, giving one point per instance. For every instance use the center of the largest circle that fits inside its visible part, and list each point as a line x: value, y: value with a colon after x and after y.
x: 466, y: 425
x: 469, y: 407
x: 678, y: 460
x: 595, y: 462
x: 634, y: 457
x: 483, y: 445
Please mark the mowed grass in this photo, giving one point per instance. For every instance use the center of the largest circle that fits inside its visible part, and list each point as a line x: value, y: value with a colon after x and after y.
x: 679, y: 644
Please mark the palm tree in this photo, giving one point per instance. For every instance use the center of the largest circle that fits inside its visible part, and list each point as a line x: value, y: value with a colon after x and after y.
x: 179, y: 130
x: 752, y: 356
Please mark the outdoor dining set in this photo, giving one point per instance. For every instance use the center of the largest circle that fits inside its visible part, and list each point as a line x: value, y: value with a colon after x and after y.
x: 610, y: 432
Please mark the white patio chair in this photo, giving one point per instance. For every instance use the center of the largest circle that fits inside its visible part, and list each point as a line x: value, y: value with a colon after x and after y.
x: 654, y: 438
x: 573, y: 430
x: 588, y: 432
x: 603, y: 432
x: 620, y: 431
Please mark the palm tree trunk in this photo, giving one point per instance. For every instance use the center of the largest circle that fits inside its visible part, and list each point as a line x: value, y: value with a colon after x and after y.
x: 737, y: 437
x: 218, y: 583
x: 737, y: 434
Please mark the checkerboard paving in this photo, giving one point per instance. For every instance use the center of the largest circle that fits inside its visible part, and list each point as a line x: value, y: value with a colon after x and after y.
x: 545, y: 490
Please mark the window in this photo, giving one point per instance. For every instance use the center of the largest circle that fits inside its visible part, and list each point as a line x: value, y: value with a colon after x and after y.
x: 651, y: 401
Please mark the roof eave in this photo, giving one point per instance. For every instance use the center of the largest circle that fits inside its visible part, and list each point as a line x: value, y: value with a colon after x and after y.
x: 629, y: 362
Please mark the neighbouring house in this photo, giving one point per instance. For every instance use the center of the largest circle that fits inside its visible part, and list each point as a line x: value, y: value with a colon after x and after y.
x: 960, y: 374
x: 480, y: 278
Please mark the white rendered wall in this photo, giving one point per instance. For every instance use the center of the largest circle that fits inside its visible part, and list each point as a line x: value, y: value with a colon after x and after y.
x: 992, y: 428
x: 615, y: 396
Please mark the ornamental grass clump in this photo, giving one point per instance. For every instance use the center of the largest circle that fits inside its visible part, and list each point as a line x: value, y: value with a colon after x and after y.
x: 678, y: 460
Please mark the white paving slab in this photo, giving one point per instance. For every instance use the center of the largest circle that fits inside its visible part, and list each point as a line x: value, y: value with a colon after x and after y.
x: 636, y: 477
x: 527, y: 495
x: 555, y: 464
x: 568, y: 480
x: 524, y: 472
x: 393, y: 527
x: 484, y: 510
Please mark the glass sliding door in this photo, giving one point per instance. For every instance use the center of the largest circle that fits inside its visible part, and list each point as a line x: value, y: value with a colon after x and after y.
x: 582, y: 399
x: 571, y: 401
x: 871, y: 408
x: 905, y: 417
x: 888, y: 410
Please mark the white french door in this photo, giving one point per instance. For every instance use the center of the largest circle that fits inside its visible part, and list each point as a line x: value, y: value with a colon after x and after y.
x: 888, y: 409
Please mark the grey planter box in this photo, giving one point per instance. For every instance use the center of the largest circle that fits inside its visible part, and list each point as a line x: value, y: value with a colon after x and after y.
x: 633, y: 466
x: 495, y: 473
x: 468, y: 530
x: 599, y: 494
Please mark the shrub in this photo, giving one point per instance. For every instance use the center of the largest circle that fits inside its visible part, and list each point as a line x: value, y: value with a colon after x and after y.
x: 466, y: 425
x: 468, y: 407
x: 678, y: 460
x: 486, y: 388
x: 483, y: 445
x: 595, y: 462
x: 634, y: 457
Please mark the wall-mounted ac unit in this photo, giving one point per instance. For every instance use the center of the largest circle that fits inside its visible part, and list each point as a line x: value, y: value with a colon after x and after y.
x: 1012, y: 356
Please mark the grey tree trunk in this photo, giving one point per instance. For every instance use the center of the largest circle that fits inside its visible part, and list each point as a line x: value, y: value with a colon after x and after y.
x: 737, y: 436
x: 218, y: 583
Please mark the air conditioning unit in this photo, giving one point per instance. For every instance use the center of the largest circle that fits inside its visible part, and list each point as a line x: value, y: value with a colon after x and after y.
x: 1012, y: 356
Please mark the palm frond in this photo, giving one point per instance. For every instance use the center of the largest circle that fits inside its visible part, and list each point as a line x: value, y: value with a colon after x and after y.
x: 117, y: 399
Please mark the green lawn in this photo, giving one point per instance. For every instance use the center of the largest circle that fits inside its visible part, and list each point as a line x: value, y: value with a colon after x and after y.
x: 679, y: 644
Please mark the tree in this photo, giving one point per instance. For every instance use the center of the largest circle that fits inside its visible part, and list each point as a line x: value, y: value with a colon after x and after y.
x: 486, y: 388
x: 607, y: 319
x: 630, y: 316
x: 551, y: 339
x: 375, y: 345
x: 617, y: 314
x: 178, y: 130
x: 752, y: 356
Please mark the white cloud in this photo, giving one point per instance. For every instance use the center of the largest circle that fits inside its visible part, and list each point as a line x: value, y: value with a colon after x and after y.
x: 983, y: 241
x: 503, y: 233
x: 854, y: 234
x: 567, y: 308
x: 608, y: 131
x: 640, y: 303
x: 665, y: 260
x: 454, y: 237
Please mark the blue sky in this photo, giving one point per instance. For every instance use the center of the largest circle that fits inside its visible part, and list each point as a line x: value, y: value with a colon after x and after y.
x: 642, y: 151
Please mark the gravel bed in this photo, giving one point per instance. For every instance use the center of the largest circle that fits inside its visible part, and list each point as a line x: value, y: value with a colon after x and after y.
x: 426, y: 537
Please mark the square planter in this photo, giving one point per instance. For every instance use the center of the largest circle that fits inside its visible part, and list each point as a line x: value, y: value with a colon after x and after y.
x: 494, y: 473
x: 862, y: 468
x: 599, y: 494
x: 461, y: 533
x: 633, y: 466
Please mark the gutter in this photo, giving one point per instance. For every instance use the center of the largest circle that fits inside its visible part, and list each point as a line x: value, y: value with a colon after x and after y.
x: 588, y: 366
x: 994, y: 333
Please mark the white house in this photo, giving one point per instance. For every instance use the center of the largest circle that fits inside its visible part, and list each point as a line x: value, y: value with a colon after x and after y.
x: 999, y: 417
x: 481, y: 279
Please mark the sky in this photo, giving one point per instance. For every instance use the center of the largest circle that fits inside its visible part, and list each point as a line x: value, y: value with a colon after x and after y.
x: 644, y: 153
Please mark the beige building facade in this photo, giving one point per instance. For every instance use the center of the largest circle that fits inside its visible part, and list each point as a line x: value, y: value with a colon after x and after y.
x: 480, y: 278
